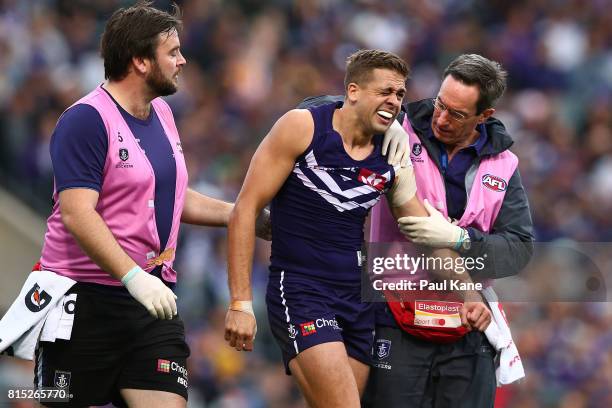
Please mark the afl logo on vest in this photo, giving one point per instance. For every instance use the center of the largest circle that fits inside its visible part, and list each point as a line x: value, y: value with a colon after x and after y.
x: 494, y: 183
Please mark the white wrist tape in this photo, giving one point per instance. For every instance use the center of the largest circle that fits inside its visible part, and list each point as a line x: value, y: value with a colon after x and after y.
x: 245, y: 306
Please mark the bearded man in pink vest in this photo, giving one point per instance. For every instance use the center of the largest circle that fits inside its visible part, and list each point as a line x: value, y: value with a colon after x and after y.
x: 120, y: 194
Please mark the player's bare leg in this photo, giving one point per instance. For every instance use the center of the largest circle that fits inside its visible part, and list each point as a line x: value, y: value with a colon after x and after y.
x: 360, y: 372
x: 324, y: 375
x: 152, y: 399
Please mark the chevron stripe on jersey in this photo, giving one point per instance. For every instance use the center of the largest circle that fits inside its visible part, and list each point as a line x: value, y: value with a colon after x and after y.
x: 346, y: 188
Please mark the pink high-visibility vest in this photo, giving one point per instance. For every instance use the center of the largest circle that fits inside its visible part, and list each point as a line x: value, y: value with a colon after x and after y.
x: 484, y: 201
x: 126, y: 201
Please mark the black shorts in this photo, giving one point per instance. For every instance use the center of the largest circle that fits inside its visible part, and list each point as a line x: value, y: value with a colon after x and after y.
x: 410, y: 372
x: 114, y: 344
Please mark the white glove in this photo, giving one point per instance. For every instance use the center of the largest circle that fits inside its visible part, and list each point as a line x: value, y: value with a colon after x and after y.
x: 151, y: 292
x: 396, y: 141
x: 434, y: 231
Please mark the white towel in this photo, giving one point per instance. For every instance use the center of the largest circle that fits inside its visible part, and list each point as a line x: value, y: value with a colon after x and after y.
x: 510, y: 368
x: 22, y: 324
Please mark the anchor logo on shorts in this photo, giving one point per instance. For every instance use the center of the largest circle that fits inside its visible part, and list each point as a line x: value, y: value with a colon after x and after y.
x: 292, y: 331
x: 383, y: 348
x: 62, y: 378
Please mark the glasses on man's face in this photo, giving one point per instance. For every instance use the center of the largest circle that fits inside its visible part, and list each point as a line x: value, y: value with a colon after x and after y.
x: 458, y: 117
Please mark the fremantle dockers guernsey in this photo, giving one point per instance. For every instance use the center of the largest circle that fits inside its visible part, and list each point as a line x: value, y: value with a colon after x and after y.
x: 319, y: 213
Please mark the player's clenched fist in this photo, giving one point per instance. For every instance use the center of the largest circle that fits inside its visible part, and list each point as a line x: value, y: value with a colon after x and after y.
x: 475, y: 315
x: 240, y: 325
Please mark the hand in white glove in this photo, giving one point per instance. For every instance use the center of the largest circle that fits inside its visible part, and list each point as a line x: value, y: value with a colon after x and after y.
x: 434, y: 231
x: 151, y: 292
x: 397, y: 143
x: 263, y: 225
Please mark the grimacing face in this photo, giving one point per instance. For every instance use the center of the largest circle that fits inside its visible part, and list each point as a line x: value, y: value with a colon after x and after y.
x: 379, y: 99
x: 462, y: 98
x: 165, y: 68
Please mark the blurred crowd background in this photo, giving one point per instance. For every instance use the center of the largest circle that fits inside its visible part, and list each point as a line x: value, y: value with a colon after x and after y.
x: 250, y: 61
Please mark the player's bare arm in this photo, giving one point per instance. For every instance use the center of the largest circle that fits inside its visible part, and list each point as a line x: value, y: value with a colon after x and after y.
x: 271, y: 165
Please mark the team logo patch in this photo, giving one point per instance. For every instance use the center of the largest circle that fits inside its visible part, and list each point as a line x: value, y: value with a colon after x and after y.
x: 383, y: 348
x: 62, y: 379
x: 372, y: 179
x: 163, y: 366
x: 494, y: 183
x: 123, y: 154
x: 308, y: 328
x: 36, y: 300
x: 417, y: 149
x: 292, y: 331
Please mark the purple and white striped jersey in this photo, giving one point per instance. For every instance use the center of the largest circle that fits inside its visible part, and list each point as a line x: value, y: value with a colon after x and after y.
x: 319, y: 213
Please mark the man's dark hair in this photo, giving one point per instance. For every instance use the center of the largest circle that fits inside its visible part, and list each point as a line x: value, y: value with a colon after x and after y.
x: 489, y: 76
x: 359, y: 66
x: 133, y: 32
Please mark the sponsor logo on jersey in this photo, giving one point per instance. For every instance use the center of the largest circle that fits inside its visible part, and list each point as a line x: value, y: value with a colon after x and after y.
x: 494, y: 183
x: 308, y: 328
x: 36, y: 300
x: 372, y: 179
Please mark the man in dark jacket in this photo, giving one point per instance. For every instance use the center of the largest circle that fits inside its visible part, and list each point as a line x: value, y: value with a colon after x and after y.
x: 457, y: 132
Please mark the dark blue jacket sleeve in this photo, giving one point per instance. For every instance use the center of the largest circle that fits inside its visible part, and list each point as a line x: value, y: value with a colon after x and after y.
x: 78, y: 149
